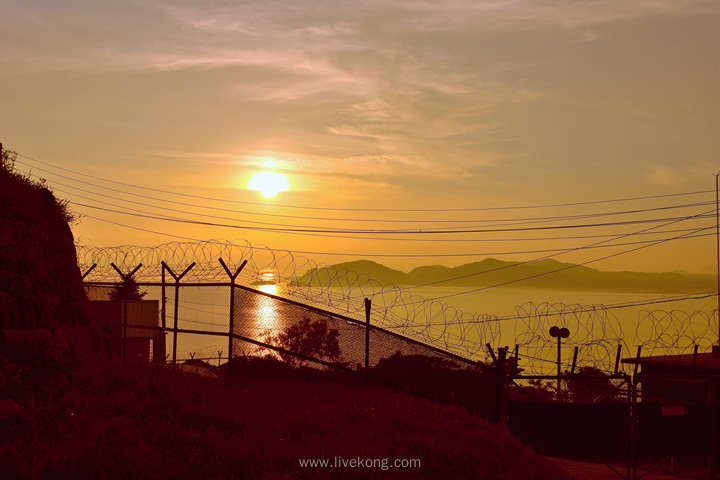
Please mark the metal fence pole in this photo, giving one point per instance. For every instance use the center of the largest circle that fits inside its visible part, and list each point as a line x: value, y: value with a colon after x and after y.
x: 123, y: 338
x: 713, y: 385
x: 162, y: 341
x: 175, y: 321
x: 631, y: 430
x: 368, y: 305
x: 84, y: 275
x: 177, y: 279
x: 123, y: 341
x: 231, y: 328
x: 633, y: 425
x: 499, y: 413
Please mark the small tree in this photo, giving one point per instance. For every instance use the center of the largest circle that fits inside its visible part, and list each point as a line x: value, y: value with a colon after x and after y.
x: 591, y: 385
x: 127, y: 290
x: 311, y: 338
x: 7, y: 162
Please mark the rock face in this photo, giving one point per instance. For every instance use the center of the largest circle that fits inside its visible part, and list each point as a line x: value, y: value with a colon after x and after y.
x: 42, y: 313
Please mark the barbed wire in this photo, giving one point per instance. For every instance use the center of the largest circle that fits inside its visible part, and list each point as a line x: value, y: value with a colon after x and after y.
x: 300, y: 279
x: 676, y: 332
x: 596, y: 332
x: 595, y: 329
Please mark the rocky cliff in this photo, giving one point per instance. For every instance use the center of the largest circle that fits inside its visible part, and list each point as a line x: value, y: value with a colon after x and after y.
x: 43, y: 324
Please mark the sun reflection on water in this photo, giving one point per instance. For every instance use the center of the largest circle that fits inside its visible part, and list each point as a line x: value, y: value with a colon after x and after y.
x: 266, y: 309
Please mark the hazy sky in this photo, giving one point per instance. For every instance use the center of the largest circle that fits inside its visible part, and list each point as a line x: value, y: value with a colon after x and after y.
x: 373, y: 104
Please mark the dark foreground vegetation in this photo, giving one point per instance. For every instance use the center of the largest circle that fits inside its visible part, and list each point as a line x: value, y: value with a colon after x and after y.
x: 106, y: 421
x: 67, y: 412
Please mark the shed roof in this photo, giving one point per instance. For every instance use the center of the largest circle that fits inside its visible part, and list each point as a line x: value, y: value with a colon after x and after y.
x: 705, y: 361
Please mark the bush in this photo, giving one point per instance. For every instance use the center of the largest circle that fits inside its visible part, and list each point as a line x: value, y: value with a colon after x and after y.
x: 309, y: 338
x: 15, y: 181
x: 439, y: 379
x: 127, y: 290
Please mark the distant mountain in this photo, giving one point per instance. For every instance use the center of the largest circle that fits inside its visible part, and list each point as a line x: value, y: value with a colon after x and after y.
x: 548, y: 273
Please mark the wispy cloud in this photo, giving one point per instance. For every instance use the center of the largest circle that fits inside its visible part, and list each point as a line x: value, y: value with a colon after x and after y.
x: 667, y: 177
x: 399, y: 90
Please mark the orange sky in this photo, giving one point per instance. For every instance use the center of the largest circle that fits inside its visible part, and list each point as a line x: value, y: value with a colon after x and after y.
x: 459, y: 105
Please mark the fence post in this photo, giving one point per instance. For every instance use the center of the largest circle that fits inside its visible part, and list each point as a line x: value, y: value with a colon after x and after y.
x: 633, y: 426
x: 368, y: 305
x: 713, y: 385
x: 574, y: 362
x: 84, y: 275
x: 617, y: 359
x: 123, y: 337
x: 492, y: 353
x: 637, y: 361
x: 161, y: 355
x: 500, y: 386
x: 231, y: 328
x: 515, y: 366
x: 177, y: 304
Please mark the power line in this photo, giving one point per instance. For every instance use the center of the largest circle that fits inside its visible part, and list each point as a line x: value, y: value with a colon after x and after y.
x: 142, y: 229
x: 568, y: 267
x: 367, y: 209
x: 363, y: 238
x: 569, y: 250
x: 590, y: 308
x: 409, y: 255
x: 331, y: 234
x: 395, y: 231
x: 503, y: 222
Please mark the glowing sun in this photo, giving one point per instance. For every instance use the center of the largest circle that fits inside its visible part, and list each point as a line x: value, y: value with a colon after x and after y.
x: 268, y: 184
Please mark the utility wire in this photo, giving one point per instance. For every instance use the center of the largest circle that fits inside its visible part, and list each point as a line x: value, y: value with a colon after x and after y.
x: 395, y: 231
x: 409, y: 255
x: 332, y: 235
x: 503, y: 222
x: 364, y: 209
x: 588, y: 308
x: 85, y: 215
x: 513, y: 265
x: 570, y: 266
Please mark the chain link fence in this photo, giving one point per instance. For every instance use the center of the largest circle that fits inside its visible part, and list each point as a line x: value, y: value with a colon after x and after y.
x: 224, y: 325
x: 588, y: 412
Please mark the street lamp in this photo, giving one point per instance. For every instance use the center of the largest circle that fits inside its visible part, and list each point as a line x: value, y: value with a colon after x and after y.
x: 560, y: 333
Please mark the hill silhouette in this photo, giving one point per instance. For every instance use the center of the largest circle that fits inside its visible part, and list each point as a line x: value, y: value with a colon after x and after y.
x: 545, y: 274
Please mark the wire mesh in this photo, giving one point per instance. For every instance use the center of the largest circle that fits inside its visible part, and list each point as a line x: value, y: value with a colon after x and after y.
x: 595, y: 330
x: 297, y: 278
x: 203, y: 309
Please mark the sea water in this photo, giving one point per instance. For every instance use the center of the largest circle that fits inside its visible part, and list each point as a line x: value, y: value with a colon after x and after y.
x: 630, y: 319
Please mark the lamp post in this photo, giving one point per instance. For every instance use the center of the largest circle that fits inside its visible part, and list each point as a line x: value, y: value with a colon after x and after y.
x: 559, y: 333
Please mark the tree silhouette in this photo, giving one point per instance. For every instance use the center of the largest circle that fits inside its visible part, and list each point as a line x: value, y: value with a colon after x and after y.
x: 311, y: 338
x: 127, y: 290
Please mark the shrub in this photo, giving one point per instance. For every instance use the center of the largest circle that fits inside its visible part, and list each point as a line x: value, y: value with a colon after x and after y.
x: 127, y: 290
x: 309, y: 338
x: 438, y: 379
x: 13, y: 177
x: 581, y: 389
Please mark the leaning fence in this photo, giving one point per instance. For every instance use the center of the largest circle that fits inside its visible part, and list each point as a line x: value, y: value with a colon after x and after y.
x: 221, y: 323
x: 549, y: 389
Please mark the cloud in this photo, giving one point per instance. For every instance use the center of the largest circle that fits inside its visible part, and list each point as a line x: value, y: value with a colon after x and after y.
x: 532, y: 14
x: 666, y: 177
x: 169, y: 35
x: 405, y: 89
x: 692, y: 171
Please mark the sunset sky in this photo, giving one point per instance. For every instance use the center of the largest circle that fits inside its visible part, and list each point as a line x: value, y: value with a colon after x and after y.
x: 376, y: 105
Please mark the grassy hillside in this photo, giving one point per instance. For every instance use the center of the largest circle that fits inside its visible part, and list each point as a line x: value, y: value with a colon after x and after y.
x: 147, y: 423
x: 548, y: 273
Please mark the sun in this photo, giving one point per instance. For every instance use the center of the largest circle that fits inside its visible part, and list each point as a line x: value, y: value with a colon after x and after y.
x: 269, y: 184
